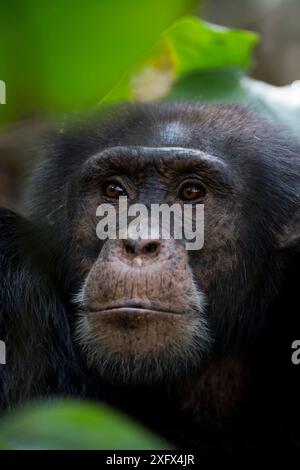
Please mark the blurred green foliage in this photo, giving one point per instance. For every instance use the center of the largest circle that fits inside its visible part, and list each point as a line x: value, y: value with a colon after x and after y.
x: 208, y: 63
x: 196, y: 45
x: 62, y: 56
x: 187, y: 46
x: 74, y: 425
x: 67, y: 54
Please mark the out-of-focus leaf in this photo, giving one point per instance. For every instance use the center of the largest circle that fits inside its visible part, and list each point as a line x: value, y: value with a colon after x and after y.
x: 187, y: 46
x: 197, y: 45
x: 75, y: 425
x: 64, y: 55
x: 230, y: 85
x: 195, y: 60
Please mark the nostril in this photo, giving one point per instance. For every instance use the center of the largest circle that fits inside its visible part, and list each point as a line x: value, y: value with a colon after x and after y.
x: 129, y: 248
x: 151, y: 247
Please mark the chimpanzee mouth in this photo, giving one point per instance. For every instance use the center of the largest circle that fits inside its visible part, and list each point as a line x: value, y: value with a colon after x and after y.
x: 133, y: 308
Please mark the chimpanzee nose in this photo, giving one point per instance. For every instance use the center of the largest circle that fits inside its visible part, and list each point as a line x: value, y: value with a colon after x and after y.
x: 142, y: 247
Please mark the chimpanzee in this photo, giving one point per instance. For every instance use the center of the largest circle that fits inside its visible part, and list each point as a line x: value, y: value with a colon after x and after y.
x: 196, y: 344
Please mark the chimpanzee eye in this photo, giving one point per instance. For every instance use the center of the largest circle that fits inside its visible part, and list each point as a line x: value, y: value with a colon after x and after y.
x: 113, y: 189
x: 191, y: 192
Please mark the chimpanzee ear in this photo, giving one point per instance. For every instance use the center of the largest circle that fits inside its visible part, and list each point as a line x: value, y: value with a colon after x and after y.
x: 290, y: 235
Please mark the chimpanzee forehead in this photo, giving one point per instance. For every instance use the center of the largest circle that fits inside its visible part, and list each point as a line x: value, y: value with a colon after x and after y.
x: 143, y: 155
x: 136, y: 160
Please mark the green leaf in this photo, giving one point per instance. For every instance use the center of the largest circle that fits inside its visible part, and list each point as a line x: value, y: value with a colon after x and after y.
x: 75, y: 425
x: 65, y: 55
x: 195, y: 60
x: 189, y: 45
x: 197, y: 45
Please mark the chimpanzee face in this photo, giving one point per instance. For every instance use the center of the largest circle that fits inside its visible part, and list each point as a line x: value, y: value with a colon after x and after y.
x: 143, y: 300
